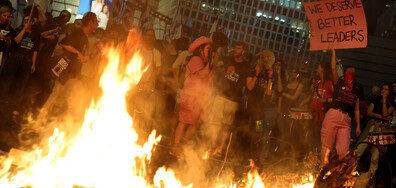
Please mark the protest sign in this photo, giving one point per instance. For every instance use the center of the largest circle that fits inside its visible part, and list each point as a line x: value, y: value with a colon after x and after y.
x: 341, y: 23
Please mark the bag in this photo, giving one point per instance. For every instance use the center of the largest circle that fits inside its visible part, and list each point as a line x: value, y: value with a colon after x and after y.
x: 61, y: 66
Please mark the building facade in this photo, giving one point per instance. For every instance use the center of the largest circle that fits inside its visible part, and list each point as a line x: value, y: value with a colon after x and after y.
x: 277, y: 25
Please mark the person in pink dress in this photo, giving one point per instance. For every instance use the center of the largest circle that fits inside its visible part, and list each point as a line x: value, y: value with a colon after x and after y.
x: 194, y: 97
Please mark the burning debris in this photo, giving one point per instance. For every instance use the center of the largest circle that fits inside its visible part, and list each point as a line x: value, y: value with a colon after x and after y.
x: 337, y: 173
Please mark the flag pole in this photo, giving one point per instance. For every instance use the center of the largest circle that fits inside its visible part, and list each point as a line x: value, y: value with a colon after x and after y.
x: 31, y: 12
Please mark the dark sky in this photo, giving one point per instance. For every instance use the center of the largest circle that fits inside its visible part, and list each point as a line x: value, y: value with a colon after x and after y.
x: 373, y: 10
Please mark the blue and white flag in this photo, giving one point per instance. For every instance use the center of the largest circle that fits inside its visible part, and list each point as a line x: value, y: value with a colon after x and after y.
x: 145, y: 18
x: 44, y: 4
x: 175, y: 29
x: 214, y: 27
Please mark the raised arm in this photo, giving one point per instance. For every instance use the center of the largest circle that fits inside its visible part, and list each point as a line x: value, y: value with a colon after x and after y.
x: 333, y: 64
x: 251, y: 81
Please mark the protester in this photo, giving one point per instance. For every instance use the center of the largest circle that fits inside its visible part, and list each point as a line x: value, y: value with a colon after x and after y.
x: 261, y: 104
x: 323, y: 91
x: 5, y: 34
x: 380, y: 112
x: 337, y: 122
x: 22, y: 59
x: 291, y: 92
x: 194, y: 97
x: 179, y: 76
x: 74, y: 46
x: 103, y: 17
x: 289, y: 95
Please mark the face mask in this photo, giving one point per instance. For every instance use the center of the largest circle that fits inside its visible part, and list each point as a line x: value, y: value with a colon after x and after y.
x: 348, y: 81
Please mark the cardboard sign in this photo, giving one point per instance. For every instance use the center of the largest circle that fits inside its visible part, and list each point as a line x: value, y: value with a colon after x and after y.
x: 341, y: 23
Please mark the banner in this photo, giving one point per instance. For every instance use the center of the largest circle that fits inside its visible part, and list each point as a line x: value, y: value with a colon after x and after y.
x: 341, y: 23
x: 145, y: 18
x: 175, y: 30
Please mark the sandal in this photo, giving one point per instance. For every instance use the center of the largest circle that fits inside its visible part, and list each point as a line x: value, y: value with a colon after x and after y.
x: 176, y: 151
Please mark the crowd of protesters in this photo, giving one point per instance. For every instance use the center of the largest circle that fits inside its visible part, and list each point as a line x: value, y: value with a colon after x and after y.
x: 199, y: 92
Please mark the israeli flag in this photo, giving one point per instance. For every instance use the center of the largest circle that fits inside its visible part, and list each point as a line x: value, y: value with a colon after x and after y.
x: 175, y: 29
x: 145, y: 18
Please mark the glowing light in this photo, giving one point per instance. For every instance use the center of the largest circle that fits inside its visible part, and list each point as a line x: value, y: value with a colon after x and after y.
x: 258, y: 14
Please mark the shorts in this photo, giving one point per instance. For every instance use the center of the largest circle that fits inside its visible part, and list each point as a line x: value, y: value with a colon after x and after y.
x: 191, y: 109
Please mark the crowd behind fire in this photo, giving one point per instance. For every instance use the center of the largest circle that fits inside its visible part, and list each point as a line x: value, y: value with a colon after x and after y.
x: 202, y: 90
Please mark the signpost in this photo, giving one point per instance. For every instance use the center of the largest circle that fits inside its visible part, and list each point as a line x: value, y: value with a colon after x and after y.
x: 341, y: 23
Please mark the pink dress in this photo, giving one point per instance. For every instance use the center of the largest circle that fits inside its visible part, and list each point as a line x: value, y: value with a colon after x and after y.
x: 194, y: 97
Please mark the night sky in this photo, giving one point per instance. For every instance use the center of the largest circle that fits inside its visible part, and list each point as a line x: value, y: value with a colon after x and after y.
x: 373, y: 10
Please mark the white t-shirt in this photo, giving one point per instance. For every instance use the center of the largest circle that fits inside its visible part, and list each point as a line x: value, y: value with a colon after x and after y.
x: 96, y: 9
x: 103, y: 19
x: 151, y: 58
x: 181, y: 59
x: 151, y: 55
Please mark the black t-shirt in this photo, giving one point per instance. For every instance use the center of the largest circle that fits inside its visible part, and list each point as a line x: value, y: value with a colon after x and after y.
x: 378, y: 107
x: 345, y: 100
x: 7, y: 31
x: 80, y: 42
x: 257, y: 96
x: 230, y: 79
x: 29, y: 43
x: 49, y: 44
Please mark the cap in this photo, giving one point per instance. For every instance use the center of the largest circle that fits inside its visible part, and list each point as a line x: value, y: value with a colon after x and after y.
x: 198, y: 42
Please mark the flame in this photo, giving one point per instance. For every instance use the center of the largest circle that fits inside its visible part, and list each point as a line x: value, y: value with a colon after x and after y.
x: 104, y: 152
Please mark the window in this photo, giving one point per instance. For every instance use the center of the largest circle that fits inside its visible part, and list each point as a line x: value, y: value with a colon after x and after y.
x: 267, y: 35
x: 186, y: 12
x: 200, y: 16
x: 249, y: 30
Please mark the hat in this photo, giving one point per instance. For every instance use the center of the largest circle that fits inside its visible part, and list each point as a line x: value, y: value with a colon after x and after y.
x: 198, y: 42
x: 267, y: 58
x: 195, y: 64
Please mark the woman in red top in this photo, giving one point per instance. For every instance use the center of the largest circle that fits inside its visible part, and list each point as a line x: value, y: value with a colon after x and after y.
x: 322, y: 92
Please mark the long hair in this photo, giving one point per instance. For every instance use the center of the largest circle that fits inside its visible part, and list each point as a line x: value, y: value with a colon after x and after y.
x: 326, y: 71
x: 391, y: 96
x: 200, y: 52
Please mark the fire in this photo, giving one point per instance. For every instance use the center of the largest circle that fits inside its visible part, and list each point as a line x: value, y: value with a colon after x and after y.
x: 104, y: 150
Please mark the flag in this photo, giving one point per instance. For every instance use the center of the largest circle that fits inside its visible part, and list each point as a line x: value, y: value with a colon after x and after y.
x: 175, y: 29
x: 44, y: 4
x: 214, y: 26
x: 145, y: 18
